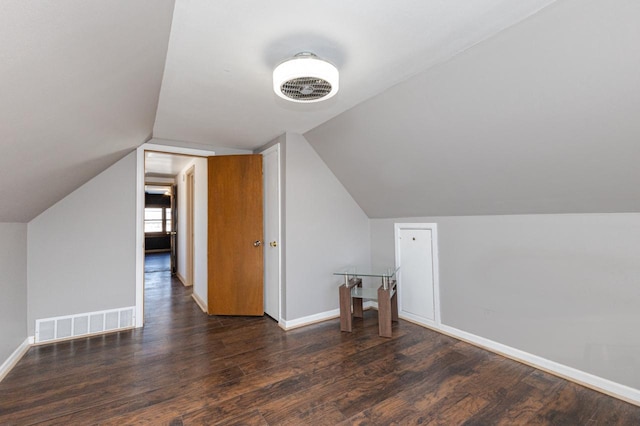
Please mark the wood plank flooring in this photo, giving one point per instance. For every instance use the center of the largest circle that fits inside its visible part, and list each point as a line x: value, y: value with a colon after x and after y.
x: 187, y: 368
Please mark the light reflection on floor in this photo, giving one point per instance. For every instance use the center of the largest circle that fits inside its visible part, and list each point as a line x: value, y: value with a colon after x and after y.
x: 157, y: 262
x: 159, y: 289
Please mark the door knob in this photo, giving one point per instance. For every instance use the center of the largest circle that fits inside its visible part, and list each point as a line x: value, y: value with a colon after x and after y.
x: 273, y: 244
x: 257, y: 243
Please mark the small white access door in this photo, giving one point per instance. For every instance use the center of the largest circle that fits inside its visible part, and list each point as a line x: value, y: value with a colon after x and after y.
x: 272, y: 270
x: 417, y: 257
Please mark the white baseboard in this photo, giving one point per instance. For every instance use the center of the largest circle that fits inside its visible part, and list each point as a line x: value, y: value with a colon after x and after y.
x: 424, y: 322
x: 308, y: 320
x: 322, y: 316
x: 201, y: 303
x: 591, y: 381
x: 182, y: 279
x: 13, y: 359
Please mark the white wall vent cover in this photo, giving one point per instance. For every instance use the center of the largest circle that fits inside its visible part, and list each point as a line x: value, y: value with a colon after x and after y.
x: 70, y: 326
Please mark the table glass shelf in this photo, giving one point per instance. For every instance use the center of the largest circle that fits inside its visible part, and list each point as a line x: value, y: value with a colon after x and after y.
x: 362, y: 272
x: 385, y: 274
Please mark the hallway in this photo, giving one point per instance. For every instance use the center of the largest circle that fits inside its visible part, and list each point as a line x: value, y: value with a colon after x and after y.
x: 160, y: 287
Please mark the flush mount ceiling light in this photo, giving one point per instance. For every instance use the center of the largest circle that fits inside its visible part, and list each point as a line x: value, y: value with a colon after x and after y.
x: 305, y: 78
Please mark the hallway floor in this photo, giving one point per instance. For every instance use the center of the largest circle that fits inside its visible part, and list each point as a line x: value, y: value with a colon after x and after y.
x: 157, y: 262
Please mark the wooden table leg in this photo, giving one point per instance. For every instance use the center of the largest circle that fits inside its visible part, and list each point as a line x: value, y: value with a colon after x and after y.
x: 357, y: 302
x: 345, y: 308
x: 394, y: 303
x: 384, y: 312
x: 357, y: 308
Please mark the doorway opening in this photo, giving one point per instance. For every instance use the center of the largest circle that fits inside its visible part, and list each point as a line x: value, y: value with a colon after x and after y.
x: 198, y: 184
x: 171, y: 236
x: 159, y: 232
x: 159, y: 244
x: 168, y: 220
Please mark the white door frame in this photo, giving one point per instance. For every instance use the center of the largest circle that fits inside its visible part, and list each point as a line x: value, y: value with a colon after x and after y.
x: 269, y: 150
x: 139, y: 313
x: 190, y: 219
x: 433, y: 227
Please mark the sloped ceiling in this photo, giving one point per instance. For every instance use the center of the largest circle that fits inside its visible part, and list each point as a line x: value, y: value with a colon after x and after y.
x: 217, y: 87
x: 79, y: 86
x: 85, y: 82
x: 542, y: 118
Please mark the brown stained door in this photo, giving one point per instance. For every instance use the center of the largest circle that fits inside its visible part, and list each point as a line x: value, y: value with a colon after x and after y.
x: 235, y: 257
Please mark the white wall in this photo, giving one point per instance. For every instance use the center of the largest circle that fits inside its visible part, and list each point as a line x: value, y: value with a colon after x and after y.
x: 563, y: 287
x: 13, y: 287
x: 81, y: 251
x: 200, y: 226
x: 325, y: 230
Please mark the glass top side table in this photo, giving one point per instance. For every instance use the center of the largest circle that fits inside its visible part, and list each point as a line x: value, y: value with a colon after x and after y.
x: 353, y: 272
x: 352, y: 294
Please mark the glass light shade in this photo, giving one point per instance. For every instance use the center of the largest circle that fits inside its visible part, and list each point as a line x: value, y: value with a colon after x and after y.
x: 305, y: 66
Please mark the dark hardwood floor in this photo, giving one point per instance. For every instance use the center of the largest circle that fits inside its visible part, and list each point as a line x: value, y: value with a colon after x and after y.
x: 184, y: 367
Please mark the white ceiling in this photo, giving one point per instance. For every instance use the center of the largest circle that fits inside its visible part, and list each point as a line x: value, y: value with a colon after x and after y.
x: 84, y: 83
x: 159, y: 164
x: 217, y: 86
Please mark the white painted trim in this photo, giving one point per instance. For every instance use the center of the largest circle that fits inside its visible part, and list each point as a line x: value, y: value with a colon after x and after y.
x: 182, y: 279
x: 322, y: 316
x: 176, y: 150
x: 589, y: 380
x: 276, y: 148
x: 13, y: 359
x: 201, y: 303
x: 417, y: 320
x: 139, y: 310
x: 433, y: 227
x: 308, y: 320
x: 139, y: 237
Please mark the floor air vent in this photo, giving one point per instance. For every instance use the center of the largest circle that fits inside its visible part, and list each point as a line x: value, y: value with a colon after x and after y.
x: 70, y: 326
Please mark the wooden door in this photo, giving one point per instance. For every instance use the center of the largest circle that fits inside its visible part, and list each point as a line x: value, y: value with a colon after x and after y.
x: 235, y: 256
